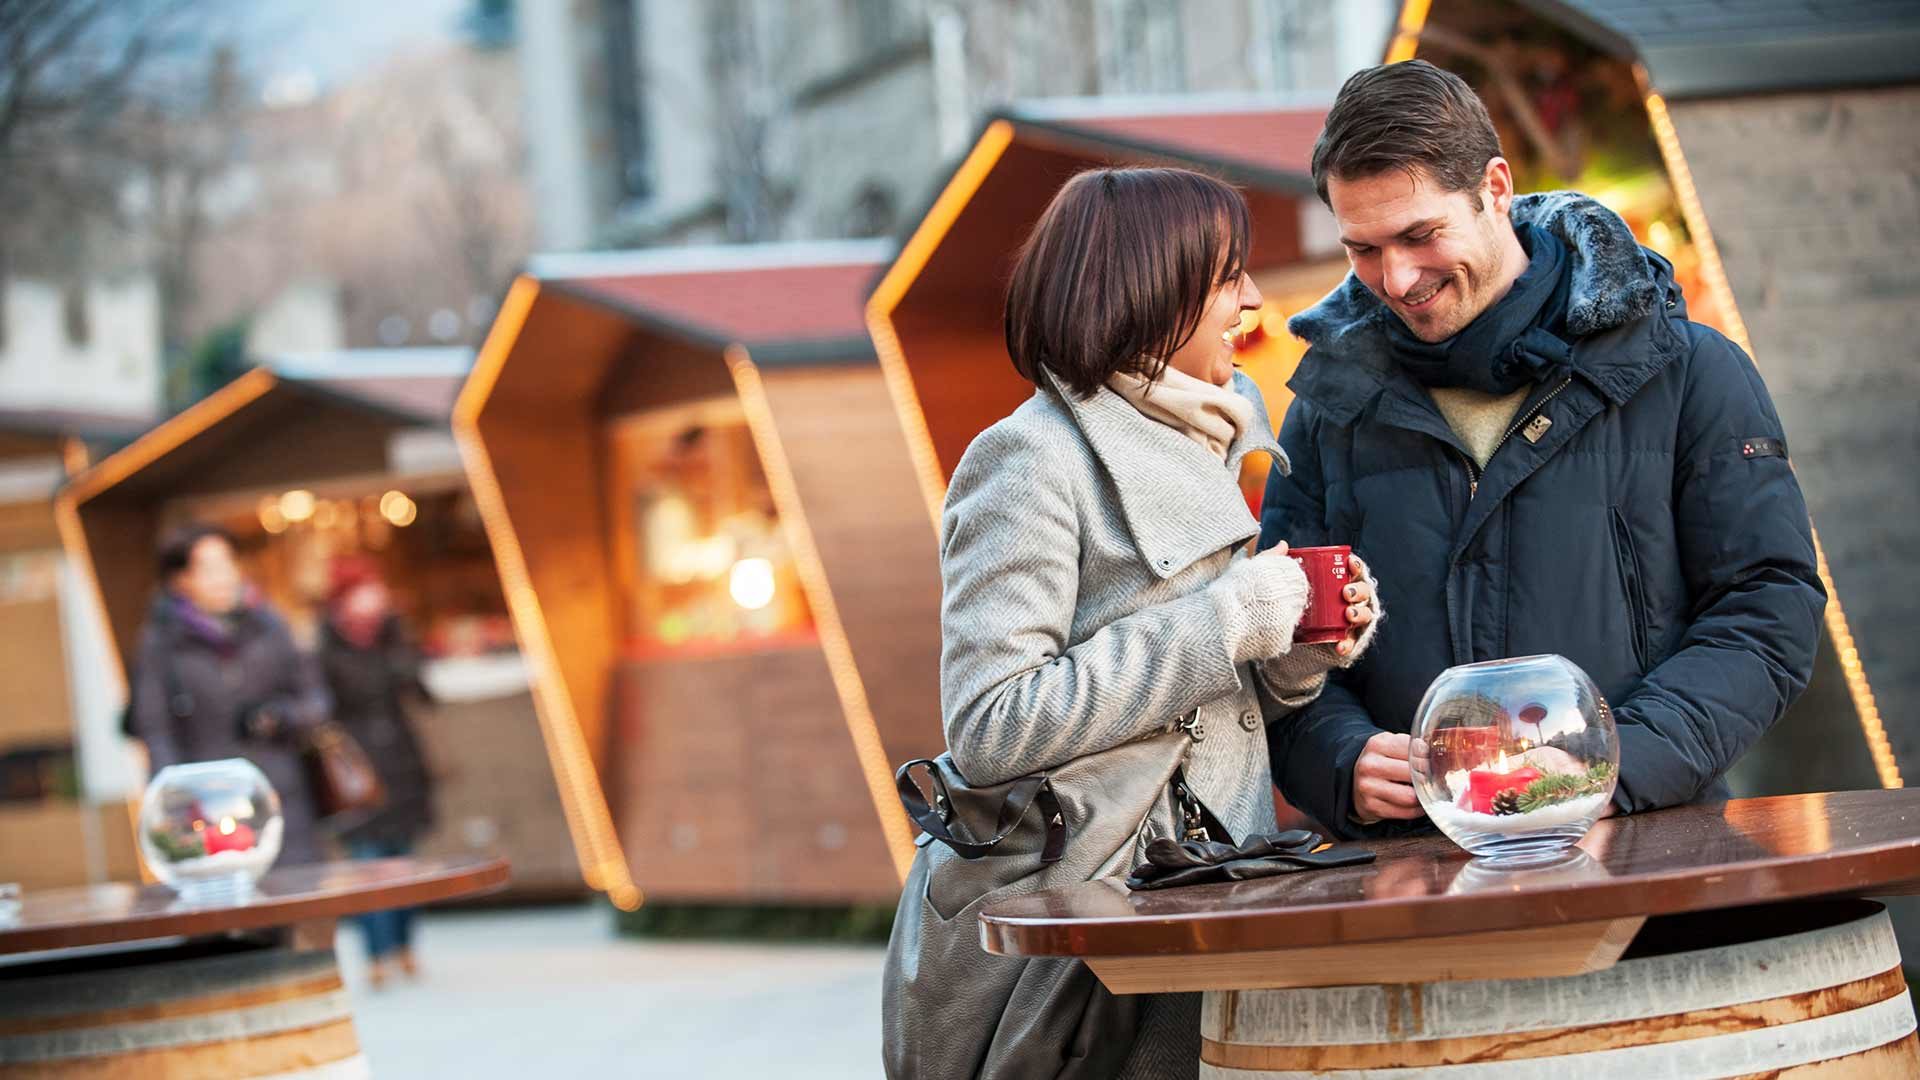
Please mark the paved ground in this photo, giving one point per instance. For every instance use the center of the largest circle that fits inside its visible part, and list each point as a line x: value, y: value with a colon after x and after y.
x: 553, y: 992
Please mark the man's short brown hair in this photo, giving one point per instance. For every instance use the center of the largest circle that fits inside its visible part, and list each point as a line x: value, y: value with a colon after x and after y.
x: 1407, y: 117
x: 1117, y: 273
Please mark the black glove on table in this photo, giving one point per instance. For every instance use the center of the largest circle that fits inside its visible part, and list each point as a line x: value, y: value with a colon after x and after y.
x: 1171, y: 863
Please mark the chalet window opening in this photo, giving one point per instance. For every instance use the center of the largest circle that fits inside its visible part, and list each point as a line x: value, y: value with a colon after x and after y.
x: 699, y: 553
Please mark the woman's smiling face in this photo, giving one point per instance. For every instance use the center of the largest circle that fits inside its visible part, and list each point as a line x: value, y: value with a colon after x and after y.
x: 1208, y: 354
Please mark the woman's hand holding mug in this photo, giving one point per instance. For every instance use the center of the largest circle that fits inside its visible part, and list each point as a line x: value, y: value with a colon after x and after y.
x: 1361, y: 606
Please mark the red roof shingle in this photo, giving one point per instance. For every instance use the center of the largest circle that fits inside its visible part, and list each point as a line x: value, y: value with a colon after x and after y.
x: 752, y: 306
x: 1279, y: 140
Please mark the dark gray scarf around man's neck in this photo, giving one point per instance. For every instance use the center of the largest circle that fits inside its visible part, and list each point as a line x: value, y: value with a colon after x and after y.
x: 1518, y: 341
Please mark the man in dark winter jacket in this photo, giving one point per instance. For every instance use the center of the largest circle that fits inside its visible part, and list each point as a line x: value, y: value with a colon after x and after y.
x: 1506, y: 410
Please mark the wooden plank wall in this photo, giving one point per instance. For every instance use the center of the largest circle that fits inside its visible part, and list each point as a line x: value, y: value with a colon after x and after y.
x: 121, y: 537
x: 964, y: 382
x: 735, y: 777
x: 739, y: 783
x: 28, y: 526
x: 849, y: 458
x: 495, y: 792
x: 287, y: 438
x: 540, y: 429
x: 33, y: 673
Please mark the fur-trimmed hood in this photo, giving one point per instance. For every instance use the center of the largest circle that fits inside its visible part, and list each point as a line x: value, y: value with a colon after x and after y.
x: 1615, y: 280
x: 1616, y: 285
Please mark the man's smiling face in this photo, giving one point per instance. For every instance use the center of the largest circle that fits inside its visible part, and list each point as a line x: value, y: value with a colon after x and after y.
x: 1436, y: 258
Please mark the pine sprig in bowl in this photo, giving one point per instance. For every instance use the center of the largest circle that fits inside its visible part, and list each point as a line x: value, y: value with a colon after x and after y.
x: 1549, y: 790
x: 177, y: 849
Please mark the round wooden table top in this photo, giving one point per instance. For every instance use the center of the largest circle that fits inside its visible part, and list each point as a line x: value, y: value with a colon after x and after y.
x: 1690, y: 858
x: 101, y: 914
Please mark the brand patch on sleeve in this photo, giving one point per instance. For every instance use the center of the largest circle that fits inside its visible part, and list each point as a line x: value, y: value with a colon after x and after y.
x: 1760, y: 446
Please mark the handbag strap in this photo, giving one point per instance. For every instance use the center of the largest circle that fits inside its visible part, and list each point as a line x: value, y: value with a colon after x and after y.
x: 1029, y: 791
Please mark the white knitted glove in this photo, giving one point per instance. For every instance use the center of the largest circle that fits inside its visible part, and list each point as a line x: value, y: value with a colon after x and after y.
x: 1260, y: 600
x: 1296, y: 677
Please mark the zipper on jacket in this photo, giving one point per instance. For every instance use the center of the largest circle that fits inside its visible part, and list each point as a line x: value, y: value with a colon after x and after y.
x: 1474, y: 472
x: 1629, y: 562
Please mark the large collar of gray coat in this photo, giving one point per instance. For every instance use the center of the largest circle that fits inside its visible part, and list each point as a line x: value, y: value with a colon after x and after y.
x: 1614, y: 284
x: 1180, y: 502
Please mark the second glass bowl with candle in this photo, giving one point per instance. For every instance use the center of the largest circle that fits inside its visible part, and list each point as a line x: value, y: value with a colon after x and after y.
x: 210, y: 829
x: 1515, y: 760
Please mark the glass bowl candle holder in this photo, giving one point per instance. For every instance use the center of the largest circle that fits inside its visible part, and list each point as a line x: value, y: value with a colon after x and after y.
x: 210, y: 829
x: 1515, y: 760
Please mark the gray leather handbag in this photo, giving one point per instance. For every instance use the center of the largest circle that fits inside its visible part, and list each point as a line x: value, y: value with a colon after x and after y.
x: 952, y: 1010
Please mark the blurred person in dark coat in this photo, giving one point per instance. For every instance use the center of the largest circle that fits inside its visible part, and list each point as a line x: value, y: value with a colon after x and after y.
x: 373, y: 671
x: 217, y: 676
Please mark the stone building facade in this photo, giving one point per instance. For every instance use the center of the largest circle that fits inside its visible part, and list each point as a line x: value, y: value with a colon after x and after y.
x: 669, y: 121
x: 1814, y: 200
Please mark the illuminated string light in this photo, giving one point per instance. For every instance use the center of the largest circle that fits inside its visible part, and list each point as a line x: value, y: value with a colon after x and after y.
x: 913, y: 258
x: 1713, y: 274
x: 750, y: 583
x: 865, y: 732
x: 1406, y: 36
x: 297, y: 505
x: 74, y: 456
x: 73, y: 537
x: 399, y: 510
x: 170, y: 434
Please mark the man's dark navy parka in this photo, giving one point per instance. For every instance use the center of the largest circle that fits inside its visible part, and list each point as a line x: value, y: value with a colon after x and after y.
x: 1649, y: 528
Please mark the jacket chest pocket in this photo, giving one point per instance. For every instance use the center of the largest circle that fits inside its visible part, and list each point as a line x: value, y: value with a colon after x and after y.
x: 1632, y: 584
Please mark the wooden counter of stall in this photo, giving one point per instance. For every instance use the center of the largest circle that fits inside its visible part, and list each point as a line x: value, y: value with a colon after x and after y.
x: 351, y: 459
x: 714, y: 550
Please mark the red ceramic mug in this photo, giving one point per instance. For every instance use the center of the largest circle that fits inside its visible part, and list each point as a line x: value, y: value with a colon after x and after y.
x: 1328, y: 570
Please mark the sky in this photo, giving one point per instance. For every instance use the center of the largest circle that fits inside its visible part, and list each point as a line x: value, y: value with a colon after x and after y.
x: 291, y: 45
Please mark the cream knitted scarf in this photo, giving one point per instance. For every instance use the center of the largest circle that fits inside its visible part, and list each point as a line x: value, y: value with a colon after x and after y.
x: 1210, y: 415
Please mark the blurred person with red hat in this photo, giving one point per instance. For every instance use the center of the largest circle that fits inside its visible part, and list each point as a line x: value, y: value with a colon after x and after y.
x: 373, y: 670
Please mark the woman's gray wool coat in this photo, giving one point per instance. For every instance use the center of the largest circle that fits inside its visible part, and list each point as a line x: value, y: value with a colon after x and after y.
x: 1077, y: 546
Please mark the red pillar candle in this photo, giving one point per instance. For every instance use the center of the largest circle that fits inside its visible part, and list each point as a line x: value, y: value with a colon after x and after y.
x: 239, y: 839
x: 1484, y: 784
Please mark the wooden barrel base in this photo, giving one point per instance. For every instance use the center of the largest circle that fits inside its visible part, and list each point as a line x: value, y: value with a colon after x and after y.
x: 1809, y: 991
x: 179, y: 1013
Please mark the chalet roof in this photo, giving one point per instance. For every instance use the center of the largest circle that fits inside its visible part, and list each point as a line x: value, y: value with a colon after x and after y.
x: 1725, y: 48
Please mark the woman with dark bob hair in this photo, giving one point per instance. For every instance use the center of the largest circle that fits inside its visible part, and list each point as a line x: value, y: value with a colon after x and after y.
x: 217, y: 676
x: 1097, y: 586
